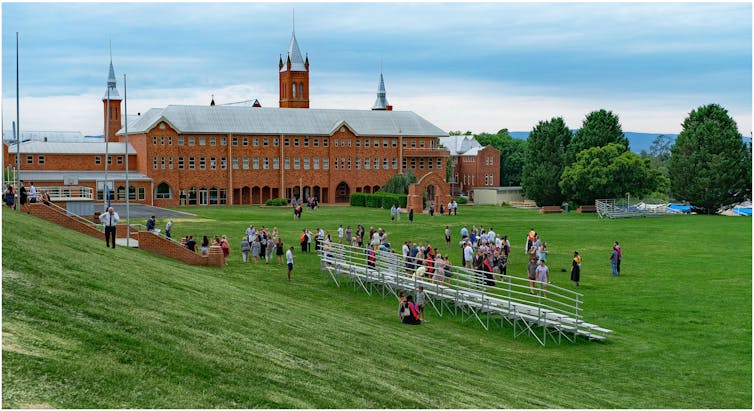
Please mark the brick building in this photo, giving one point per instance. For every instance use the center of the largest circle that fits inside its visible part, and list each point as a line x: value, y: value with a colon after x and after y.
x: 206, y: 155
x: 472, y: 164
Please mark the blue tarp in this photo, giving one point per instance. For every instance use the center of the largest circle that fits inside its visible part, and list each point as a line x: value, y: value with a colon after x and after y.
x: 680, y: 208
x: 744, y: 211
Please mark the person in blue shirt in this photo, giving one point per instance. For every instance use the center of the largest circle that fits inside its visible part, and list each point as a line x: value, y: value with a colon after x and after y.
x: 464, y: 232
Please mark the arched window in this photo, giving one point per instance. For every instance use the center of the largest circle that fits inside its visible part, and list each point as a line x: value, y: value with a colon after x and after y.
x: 301, y: 90
x: 294, y: 90
x: 163, y: 191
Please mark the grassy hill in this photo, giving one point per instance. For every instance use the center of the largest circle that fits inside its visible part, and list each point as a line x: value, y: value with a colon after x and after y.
x: 89, y: 327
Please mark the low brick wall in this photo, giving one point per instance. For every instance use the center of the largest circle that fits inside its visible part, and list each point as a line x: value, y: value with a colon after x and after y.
x: 160, y: 245
x: 59, y: 217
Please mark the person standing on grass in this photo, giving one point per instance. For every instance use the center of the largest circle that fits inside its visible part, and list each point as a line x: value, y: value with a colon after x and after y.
x: 340, y: 234
x: 576, y: 268
x: 33, y: 193
x: 279, y: 250
x: 23, y: 198
x: 447, y: 235
x: 410, y: 215
x: 256, y: 248
x: 531, y: 270
x: 168, y: 228
x: 289, y: 260
x: 543, y: 276
x: 349, y: 235
x: 205, y: 245
x: 110, y: 221
x: 614, y: 261
x: 620, y: 255
x: 10, y: 197
x: 245, y: 248
x: 421, y: 297
x: 226, y: 248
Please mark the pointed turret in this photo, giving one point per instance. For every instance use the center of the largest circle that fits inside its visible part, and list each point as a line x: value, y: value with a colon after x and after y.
x: 294, y: 77
x: 381, y: 102
x: 111, y: 102
x: 111, y: 85
x: 294, y: 55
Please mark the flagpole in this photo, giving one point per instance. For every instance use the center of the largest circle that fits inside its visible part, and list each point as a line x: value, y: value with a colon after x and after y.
x: 107, y: 137
x: 18, y: 136
x: 128, y: 187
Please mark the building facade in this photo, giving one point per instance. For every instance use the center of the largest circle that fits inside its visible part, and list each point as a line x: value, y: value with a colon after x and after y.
x: 215, y: 155
x: 472, y: 165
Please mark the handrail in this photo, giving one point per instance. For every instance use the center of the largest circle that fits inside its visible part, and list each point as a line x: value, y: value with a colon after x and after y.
x: 66, y: 192
x: 76, y: 217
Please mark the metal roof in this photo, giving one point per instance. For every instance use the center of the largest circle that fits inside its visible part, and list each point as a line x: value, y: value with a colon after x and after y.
x: 290, y: 121
x: 41, y: 147
x: 461, y: 145
x: 381, y: 102
x: 294, y: 53
x: 60, y: 175
x: 111, y: 85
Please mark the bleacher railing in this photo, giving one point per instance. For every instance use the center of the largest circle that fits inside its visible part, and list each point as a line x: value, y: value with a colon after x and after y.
x: 473, y: 293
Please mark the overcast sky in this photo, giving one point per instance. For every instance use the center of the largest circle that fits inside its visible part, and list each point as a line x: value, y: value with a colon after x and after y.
x: 478, y: 67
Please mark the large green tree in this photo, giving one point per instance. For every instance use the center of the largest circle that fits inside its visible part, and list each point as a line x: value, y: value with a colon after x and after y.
x: 710, y: 166
x: 512, y: 155
x: 599, y: 128
x: 545, y: 161
x: 609, y: 172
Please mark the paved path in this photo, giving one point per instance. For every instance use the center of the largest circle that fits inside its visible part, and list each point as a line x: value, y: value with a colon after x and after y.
x: 146, y: 211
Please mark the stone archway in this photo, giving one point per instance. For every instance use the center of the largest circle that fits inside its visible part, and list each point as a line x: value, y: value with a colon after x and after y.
x: 440, y: 189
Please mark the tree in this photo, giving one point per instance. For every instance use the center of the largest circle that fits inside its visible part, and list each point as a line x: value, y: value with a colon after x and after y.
x: 512, y: 154
x: 599, y: 128
x: 545, y: 161
x: 660, y: 150
x: 710, y: 166
x: 398, y: 184
x: 609, y: 172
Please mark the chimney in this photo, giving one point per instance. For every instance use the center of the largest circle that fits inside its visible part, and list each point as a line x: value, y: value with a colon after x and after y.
x: 389, y: 108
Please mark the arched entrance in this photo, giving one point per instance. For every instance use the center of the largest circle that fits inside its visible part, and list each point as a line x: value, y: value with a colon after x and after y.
x: 342, y: 193
x: 434, y: 186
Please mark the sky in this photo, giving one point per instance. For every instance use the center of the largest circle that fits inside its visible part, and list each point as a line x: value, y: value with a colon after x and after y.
x: 462, y: 66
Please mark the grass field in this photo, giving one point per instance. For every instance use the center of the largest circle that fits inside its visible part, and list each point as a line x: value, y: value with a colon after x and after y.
x: 89, y: 327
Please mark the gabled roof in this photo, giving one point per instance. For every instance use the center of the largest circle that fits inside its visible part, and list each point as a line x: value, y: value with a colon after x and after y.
x: 461, y: 145
x: 273, y: 120
x: 41, y: 147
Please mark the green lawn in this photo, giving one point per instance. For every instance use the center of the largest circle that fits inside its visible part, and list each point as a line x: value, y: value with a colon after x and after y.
x: 89, y: 327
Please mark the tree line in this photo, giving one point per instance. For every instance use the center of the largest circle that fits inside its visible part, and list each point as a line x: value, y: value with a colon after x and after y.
x: 708, y: 165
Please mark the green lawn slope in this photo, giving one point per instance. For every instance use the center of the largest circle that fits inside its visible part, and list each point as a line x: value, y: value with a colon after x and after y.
x: 89, y: 327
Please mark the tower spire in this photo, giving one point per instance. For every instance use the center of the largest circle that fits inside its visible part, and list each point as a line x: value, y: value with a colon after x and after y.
x: 381, y: 102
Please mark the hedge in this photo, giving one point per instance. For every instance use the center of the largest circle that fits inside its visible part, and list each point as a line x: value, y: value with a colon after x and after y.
x: 461, y: 200
x: 276, y: 202
x: 378, y: 200
x: 358, y: 199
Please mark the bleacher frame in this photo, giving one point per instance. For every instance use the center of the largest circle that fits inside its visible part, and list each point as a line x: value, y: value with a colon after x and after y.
x: 556, y: 316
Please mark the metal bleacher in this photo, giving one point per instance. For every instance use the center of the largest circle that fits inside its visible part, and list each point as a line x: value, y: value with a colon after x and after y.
x: 467, y: 292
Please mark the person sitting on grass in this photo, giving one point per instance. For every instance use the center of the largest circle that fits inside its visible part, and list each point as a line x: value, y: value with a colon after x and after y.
x: 409, y: 312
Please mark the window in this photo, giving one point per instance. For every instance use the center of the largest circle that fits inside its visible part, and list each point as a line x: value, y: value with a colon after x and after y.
x: 266, y: 163
x: 223, y: 141
x: 213, y: 163
x: 163, y: 191
x: 192, y: 140
x: 404, y: 143
x: 296, y: 163
x: 255, y: 142
x: 336, y: 142
x: 376, y: 163
x: 349, y: 142
x: 245, y: 141
x: 170, y: 140
x: 213, y: 141
x: 287, y: 142
x: 41, y: 159
x: 404, y: 163
x: 439, y: 164
x: 325, y: 142
x: 395, y: 163
x: 315, y: 163
x: 97, y: 160
x: 202, y: 163
x: 358, y: 163
x: 376, y: 142
x: 306, y: 141
x: 154, y: 163
x: 367, y: 163
x: 154, y: 140
x: 162, y: 140
x: 180, y: 163
x: 235, y: 141
x: 180, y: 140
x: 223, y: 163
x: 358, y: 142
x: 421, y: 164
x: 142, y: 193
x: 275, y: 142
x: 342, y: 163
x: 266, y: 141
x: 395, y: 142
x: 315, y: 143
x: 413, y: 163
x: 306, y: 163
x: 162, y: 163
x: 287, y: 163
x: 421, y: 143
x: 276, y: 163
x: 235, y: 163
x: 366, y: 142
x: 245, y: 163
x: 255, y: 163
x: 489, y: 161
x: 119, y: 159
x: 384, y: 163
x: 325, y: 163
x: 413, y: 143
x: 191, y: 163
x: 385, y: 142
x: 349, y: 163
x: 295, y: 142
x: 293, y: 87
x: 109, y: 159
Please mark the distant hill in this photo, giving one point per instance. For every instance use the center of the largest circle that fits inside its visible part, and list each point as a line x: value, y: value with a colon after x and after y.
x: 636, y: 141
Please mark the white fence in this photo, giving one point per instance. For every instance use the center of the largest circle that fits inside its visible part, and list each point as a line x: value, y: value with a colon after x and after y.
x: 487, y: 297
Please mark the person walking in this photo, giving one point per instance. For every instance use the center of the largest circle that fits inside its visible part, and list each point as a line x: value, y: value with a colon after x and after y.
x: 110, y: 221
x: 543, y: 276
x: 23, y: 197
x: 168, y: 228
x: 289, y: 260
x: 151, y: 222
x: 576, y: 268
x: 33, y: 193
x: 245, y: 248
x: 620, y: 255
x: 447, y: 235
x: 410, y: 215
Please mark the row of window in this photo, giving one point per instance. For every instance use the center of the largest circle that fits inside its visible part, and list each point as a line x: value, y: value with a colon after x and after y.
x: 134, y: 193
x: 468, y: 179
x: 264, y: 163
x: 97, y: 159
x: 297, y: 142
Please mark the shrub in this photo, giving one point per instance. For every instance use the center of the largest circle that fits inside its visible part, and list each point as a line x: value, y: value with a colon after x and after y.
x: 461, y: 200
x: 276, y: 202
x: 358, y: 199
x: 372, y: 201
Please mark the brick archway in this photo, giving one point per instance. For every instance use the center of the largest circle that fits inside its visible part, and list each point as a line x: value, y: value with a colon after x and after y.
x: 416, y: 190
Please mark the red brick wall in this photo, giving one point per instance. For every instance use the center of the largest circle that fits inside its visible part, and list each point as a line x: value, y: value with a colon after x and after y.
x: 78, y: 162
x: 160, y: 245
x: 287, y: 78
